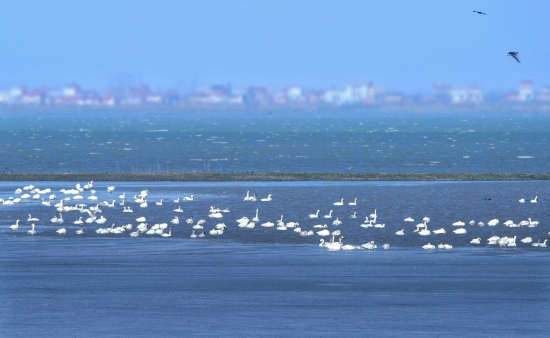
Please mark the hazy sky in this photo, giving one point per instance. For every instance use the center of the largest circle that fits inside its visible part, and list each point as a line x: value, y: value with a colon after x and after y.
x: 400, y: 45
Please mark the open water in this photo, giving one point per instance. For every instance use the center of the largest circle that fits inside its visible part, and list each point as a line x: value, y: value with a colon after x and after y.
x: 263, y: 281
x: 310, y: 142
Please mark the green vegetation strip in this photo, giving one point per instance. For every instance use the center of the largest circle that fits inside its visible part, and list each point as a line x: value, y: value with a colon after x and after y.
x: 270, y: 177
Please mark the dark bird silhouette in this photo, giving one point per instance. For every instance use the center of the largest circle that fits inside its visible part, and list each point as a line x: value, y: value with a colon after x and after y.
x: 478, y: 12
x: 514, y: 55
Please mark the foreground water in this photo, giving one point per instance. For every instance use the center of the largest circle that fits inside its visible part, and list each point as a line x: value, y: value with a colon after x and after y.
x: 90, y: 287
x: 330, y: 141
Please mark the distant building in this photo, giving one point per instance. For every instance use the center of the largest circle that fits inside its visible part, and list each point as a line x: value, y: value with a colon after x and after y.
x: 354, y: 93
x: 525, y: 93
x: 544, y: 95
x: 294, y: 94
x: 446, y: 93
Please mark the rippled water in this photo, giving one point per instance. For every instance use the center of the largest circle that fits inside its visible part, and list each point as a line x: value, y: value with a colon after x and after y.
x: 315, y: 142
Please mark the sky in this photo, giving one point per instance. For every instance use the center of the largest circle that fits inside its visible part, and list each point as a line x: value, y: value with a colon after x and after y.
x: 400, y: 45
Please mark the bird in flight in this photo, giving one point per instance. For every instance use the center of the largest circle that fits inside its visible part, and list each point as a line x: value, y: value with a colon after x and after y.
x: 478, y: 12
x: 514, y: 55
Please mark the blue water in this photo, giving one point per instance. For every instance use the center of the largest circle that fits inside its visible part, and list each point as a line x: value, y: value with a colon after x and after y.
x: 262, y: 281
x: 90, y: 287
x: 254, y: 141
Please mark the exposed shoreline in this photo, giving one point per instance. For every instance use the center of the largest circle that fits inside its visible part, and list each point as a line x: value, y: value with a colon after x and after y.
x: 218, y: 177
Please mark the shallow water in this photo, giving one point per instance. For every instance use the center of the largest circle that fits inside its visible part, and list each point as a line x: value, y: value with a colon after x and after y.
x: 443, y: 202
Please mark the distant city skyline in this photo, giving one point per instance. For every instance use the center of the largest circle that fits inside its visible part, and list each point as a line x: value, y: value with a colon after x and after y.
x: 400, y: 45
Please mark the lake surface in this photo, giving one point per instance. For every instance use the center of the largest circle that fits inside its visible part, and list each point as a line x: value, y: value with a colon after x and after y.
x: 108, y: 287
x: 262, y: 281
x: 344, y: 141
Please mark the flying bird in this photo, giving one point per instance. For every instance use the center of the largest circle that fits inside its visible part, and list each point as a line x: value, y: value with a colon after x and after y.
x: 514, y: 55
x: 478, y: 12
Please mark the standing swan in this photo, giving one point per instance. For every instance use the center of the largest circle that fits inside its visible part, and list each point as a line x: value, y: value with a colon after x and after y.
x: 32, y: 231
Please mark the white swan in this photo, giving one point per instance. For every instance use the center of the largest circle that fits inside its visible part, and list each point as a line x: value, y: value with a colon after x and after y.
x: 459, y: 224
x: 189, y: 220
x: 32, y: 219
x: 189, y: 198
x: 480, y: 224
x: 369, y: 246
x: 176, y: 220
x: 323, y: 232
x: 329, y: 215
x: 333, y: 246
x: 374, y: 215
x: 424, y: 232
x: 493, y: 222
x: 400, y: 232
x: 535, y: 200
x: 476, y: 241
x: 543, y: 244
x: 32, y: 231
x: 256, y: 219
x: 339, y: 203
x: 269, y: 198
x: 141, y: 219
x: 428, y: 247
x: 367, y: 224
x: 460, y: 231
x: 426, y: 219
x: 110, y: 188
x: 337, y: 222
x: 444, y: 246
x: 354, y: 215
x: 177, y: 200
x: 281, y: 226
x: 472, y: 223
x: 354, y: 202
x: 81, y: 231
x: 159, y: 202
x: 386, y: 246
x: 315, y: 215
x: 522, y: 200
x: 169, y: 234
x: 15, y: 226
x: 268, y: 224
x: 527, y: 240
x: 408, y: 219
x: 178, y: 209
x: 61, y: 231
x: 440, y: 231
x: 532, y: 223
x: 336, y: 233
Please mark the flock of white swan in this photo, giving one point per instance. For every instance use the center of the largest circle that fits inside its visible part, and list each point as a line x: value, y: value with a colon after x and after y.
x: 332, y: 228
